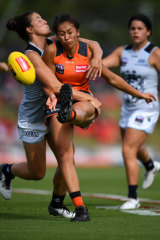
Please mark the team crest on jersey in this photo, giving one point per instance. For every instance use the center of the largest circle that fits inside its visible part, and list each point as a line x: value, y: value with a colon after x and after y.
x: 141, y: 62
x: 81, y: 68
x: 124, y: 61
x: 139, y: 120
x: 60, y: 68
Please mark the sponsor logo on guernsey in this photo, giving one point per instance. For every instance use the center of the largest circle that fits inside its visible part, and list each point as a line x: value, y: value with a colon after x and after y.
x: 60, y: 68
x: 124, y: 61
x: 24, y: 65
x: 33, y: 134
x: 81, y: 68
x: 139, y: 120
x: 141, y: 62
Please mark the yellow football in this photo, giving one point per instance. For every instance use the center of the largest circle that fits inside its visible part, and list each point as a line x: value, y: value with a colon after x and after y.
x: 21, y: 68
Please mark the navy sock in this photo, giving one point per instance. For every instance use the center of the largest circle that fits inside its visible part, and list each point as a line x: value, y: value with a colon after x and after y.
x: 57, y: 201
x: 75, y: 194
x: 7, y: 171
x: 132, y: 191
x: 149, y: 165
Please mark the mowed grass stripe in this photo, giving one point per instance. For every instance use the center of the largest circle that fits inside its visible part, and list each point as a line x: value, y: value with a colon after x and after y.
x: 91, y: 195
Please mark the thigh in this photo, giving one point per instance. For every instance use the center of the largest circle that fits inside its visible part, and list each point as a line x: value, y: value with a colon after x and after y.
x: 133, y: 138
x: 36, y: 155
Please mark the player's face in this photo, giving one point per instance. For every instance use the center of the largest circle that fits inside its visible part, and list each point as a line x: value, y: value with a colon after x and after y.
x: 67, y: 35
x: 138, y: 32
x: 39, y: 26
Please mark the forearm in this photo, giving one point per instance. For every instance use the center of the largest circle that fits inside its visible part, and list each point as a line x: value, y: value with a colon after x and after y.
x: 94, y: 46
x: 44, y: 74
x: 47, y: 91
x: 50, y: 82
x: 123, y: 86
x: 119, y: 83
x: 81, y: 96
x: 96, y: 49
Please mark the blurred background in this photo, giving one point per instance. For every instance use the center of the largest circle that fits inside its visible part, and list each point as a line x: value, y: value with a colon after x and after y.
x: 100, y: 20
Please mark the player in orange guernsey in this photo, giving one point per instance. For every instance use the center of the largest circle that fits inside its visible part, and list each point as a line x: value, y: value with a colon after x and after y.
x: 70, y: 64
x: 69, y: 59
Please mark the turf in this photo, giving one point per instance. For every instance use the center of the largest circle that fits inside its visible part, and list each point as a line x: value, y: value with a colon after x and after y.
x: 25, y: 216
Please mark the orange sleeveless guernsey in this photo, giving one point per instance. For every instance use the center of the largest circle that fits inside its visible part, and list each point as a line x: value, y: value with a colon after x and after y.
x: 72, y: 70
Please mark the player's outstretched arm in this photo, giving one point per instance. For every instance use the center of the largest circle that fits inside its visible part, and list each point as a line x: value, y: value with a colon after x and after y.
x: 119, y: 83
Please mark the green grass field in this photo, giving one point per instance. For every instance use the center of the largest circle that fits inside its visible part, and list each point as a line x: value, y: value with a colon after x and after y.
x: 25, y: 216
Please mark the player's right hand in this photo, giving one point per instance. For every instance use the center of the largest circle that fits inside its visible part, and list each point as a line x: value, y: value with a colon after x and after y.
x: 97, y: 104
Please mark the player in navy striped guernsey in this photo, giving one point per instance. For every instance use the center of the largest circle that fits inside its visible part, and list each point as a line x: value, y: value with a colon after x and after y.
x: 31, y: 128
x: 139, y: 65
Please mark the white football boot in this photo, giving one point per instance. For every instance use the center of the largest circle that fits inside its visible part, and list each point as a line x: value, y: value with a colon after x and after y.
x: 150, y: 175
x: 131, y: 203
x: 63, y: 211
x: 5, y: 185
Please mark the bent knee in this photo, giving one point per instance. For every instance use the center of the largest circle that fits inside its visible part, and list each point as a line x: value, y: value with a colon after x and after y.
x: 37, y: 176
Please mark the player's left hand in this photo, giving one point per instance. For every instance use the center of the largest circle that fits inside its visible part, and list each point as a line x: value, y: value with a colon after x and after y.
x: 149, y: 97
x: 94, y: 69
x: 51, y: 102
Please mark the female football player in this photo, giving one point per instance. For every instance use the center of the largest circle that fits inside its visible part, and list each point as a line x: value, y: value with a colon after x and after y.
x: 140, y: 64
x: 31, y: 128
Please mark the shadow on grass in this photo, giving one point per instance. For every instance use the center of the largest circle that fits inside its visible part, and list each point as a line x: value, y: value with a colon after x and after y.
x: 16, y: 216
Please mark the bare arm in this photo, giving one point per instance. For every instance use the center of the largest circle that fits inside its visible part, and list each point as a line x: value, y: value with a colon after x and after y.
x: 113, y: 59
x: 3, y: 67
x: 44, y: 73
x: 95, y: 67
x: 154, y: 59
x: 122, y: 85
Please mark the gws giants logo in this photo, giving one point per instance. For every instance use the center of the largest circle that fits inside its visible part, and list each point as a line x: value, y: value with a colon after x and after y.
x: 60, y: 68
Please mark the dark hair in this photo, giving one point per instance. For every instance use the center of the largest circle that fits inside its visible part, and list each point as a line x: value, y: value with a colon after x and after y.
x: 61, y: 18
x: 142, y: 18
x: 19, y: 25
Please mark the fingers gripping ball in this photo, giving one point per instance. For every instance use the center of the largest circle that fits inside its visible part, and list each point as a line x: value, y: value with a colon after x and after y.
x: 21, y: 68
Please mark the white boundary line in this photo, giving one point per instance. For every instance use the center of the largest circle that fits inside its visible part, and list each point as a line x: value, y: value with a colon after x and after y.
x: 91, y: 195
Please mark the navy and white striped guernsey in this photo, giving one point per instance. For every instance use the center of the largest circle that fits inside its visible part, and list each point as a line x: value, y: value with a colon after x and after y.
x: 137, y: 71
x: 32, y: 107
